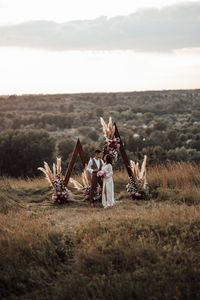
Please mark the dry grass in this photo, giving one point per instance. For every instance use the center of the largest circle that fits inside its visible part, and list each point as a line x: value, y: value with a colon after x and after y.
x: 135, y: 250
x: 175, y: 175
x: 177, y: 182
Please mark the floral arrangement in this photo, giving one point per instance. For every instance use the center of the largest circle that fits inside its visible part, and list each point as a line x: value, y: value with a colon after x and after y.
x: 138, y: 187
x: 60, y: 197
x: 112, y: 144
x: 111, y: 147
x: 134, y: 191
x: 86, y: 193
x: 56, y: 179
x: 86, y: 187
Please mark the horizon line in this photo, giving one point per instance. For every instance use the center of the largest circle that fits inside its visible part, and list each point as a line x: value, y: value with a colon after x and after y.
x: 110, y: 92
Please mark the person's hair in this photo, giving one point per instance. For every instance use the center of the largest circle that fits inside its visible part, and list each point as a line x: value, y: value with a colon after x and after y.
x: 97, y: 151
x: 109, y: 159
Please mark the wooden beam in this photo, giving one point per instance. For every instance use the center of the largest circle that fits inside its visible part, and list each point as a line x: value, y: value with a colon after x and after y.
x: 123, y: 152
x: 81, y: 153
x: 77, y: 150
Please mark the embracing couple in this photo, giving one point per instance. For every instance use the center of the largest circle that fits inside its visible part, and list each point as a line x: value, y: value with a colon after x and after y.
x: 102, y: 172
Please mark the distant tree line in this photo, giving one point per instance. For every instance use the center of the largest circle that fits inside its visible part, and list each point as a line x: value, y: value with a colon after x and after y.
x: 164, y: 125
x: 23, y: 151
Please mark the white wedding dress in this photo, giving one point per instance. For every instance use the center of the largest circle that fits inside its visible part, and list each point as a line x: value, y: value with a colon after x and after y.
x: 108, y: 187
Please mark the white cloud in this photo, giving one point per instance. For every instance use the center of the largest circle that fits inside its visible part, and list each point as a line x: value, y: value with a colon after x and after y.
x: 28, y: 64
x: 167, y: 29
x: 17, y: 11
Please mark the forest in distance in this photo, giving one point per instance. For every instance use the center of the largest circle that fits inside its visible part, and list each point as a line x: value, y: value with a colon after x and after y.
x: 138, y: 249
x: 33, y: 128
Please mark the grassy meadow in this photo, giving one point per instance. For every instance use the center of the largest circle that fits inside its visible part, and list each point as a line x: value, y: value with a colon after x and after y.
x: 135, y: 250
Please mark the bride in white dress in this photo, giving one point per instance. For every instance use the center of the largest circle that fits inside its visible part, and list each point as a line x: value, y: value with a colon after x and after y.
x: 108, y: 186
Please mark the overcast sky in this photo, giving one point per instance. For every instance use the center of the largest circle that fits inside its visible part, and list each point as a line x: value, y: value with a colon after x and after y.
x: 108, y: 45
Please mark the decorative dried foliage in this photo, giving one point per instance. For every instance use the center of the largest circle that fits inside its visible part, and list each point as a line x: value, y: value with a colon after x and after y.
x: 139, y: 175
x: 86, y: 178
x: 49, y: 172
x: 108, y: 130
x: 143, y: 172
x: 46, y: 175
x: 59, y: 165
x: 76, y: 184
x: 54, y: 169
x: 49, y: 175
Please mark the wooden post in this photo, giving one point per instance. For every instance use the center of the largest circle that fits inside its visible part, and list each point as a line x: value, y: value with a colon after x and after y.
x: 77, y: 150
x: 123, y: 152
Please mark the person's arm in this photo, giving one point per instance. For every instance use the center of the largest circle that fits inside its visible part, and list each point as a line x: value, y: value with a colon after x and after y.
x: 89, y: 166
x: 109, y: 171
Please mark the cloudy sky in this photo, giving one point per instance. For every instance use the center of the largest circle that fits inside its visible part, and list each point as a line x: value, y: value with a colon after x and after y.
x: 61, y: 46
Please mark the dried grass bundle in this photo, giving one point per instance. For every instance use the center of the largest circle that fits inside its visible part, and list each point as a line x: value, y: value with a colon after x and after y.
x: 59, y: 165
x: 76, y: 184
x: 54, y: 169
x: 49, y: 175
x: 86, y: 178
x: 139, y: 175
x: 108, y: 130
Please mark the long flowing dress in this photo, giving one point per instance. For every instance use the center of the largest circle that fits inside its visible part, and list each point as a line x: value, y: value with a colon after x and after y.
x: 108, y: 187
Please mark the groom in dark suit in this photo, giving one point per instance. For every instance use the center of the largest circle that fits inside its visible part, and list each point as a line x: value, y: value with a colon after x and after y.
x: 95, y: 164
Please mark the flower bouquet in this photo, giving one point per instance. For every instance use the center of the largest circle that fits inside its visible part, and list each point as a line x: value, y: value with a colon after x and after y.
x: 60, y: 192
x: 101, y: 173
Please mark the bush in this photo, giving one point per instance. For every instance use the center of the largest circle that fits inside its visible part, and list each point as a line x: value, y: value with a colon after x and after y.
x: 93, y: 135
x: 22, y: 152
x: 65, y: 148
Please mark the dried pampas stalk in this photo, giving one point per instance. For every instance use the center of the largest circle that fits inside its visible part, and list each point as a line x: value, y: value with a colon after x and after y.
x: 108, y: 130
x: 113, y: 131
x: 59, y: 165
x: 104, y: 126
x: 51, y: 176
x: 54, y: 170
x: 143, y: 168
x: 110, y: 124
x: 139, y: 174
x: 137, y: 170
x: 132, y: 167
x: 85, y: 178
x: 76, y: 184
x: 144, y: 172
x: 48, y: 170
x: 47, y: 176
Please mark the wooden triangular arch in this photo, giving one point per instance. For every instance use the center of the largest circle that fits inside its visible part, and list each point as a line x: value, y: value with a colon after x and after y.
x: 123, y: 152
x: 79, y: 150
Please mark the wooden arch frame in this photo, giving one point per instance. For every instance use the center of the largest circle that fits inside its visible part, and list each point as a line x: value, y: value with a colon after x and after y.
x: 79, y: 150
